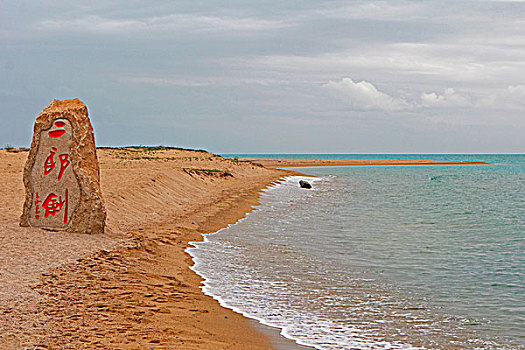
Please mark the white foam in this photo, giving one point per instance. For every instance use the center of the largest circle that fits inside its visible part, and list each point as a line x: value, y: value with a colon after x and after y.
x: 247, y: 296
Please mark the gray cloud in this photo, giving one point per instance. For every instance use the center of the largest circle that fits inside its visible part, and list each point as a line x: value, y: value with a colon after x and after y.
x: 327, y: 76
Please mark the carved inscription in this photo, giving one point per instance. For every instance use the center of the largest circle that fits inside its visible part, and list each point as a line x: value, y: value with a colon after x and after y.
x: 56, y: 190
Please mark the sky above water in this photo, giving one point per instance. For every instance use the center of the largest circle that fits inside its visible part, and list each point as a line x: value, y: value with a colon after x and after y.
x: 279, y: 76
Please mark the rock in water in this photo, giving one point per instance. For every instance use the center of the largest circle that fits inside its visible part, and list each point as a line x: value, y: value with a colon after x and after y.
x: 304, y: 184
x: 61, y: 175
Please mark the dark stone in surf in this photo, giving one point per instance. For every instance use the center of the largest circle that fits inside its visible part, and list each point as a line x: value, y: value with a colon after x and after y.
x: 304, y: 184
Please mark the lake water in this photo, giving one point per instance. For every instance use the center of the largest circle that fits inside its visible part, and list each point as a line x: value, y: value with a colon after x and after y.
x: 409, y: 257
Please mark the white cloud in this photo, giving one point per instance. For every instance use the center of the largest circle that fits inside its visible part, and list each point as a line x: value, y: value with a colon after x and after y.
x: 203, y: 82
x: 376, y: 10
x: 506, y: 0
x: 168, y: 22
x: 513, y: 97
x: 90, y: 23
x: 517, y: 90
x: 399, y: 61
x: 364, y: 95
x: 449, y: 98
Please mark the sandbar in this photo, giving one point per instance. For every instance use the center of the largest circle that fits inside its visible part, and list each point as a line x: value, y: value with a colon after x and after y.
x: 275, y: 163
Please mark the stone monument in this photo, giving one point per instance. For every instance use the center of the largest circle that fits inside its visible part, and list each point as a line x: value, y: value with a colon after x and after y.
x: 61, y: 175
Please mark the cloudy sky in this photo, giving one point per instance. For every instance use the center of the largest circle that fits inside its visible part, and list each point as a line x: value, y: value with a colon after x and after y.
x: 276, y: 77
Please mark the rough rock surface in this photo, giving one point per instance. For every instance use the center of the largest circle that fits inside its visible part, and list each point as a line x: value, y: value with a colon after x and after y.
x: 61, y: 175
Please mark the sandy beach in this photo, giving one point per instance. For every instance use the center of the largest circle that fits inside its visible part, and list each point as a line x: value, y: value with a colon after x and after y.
x: 130, y: 287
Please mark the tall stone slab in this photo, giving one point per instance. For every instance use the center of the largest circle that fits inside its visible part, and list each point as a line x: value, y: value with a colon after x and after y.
x: 61, y: 175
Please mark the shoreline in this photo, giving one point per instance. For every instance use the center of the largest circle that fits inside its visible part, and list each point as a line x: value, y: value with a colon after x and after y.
x: 133, y: 286
x: 278, y: 340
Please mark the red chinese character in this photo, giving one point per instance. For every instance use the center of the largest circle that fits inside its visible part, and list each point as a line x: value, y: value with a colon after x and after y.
x: 49, y: 165
x: 64, y: 163
x: 37, y: 209
x: 53, y: 206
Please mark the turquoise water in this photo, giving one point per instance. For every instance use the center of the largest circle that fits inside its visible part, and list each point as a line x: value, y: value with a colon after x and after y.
x: 382, y: 257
